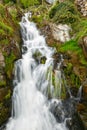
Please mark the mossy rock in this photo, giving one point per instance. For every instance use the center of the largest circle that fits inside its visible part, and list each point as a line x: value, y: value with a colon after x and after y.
x: 73, y: 80
x: 5, y: 105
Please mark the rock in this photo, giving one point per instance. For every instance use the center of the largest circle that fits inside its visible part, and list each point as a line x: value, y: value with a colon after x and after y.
x: 84, y: 45
x: 60, y: 32
x: 2, y: 60
x: 53, y: 1
x: 50, y: 1
x: 85, y: 92
x: 82, y: 6
x: 66, y: 111
x: 80, y: 107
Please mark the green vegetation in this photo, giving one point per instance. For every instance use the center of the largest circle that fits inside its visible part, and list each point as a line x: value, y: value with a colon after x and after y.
x: 27, y: 3
x: 64, y: 12
x: 72, y: 79
x: 74, y: 48
x: 8, y: 96
x: 2, y: 83
x: 9, y: 61
x: 6, y: 28
x: 67, y: 13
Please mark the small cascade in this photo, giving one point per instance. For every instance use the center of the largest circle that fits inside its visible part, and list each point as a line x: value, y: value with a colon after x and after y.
x: 34, y: 91
x: 79, y: 94
x: 39, y: 88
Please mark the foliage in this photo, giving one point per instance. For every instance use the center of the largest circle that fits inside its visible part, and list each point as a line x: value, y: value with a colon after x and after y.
x: 2, y: 10
x: 9, y: 61
x: 2, y: 83
x: 73, y: 46
x: 72, y: 79
x: 64, y: 12
x: 6, y: 28
x: 7, y: 1
x: 27, y: 3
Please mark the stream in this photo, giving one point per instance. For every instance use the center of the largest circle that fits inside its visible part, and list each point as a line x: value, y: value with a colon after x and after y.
x: 36, y: 100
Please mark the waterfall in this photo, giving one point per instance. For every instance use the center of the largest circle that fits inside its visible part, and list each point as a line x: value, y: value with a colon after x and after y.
x: 33, y: 84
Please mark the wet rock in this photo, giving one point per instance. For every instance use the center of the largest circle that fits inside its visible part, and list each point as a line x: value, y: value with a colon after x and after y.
x: 60, y: 32
x: 66, y: 111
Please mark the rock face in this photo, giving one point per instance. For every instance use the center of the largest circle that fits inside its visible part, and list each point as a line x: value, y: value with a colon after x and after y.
x: 67, y: 109
x: 82, y: 6
x: 84, y: 45
x: 61, y: 32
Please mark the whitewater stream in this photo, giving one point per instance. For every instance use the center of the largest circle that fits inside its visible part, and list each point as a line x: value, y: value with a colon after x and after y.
x: 33, y: 84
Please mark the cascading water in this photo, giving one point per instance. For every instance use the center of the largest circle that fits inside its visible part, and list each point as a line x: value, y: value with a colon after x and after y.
x: 33, y: 84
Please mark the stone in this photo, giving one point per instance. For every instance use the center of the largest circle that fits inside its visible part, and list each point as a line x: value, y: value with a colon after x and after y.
x: 2, y: 60
x: 82, y: 6
x: 60, y: 32
x: 85, y: 92
x: 50, y: 1
x: 84, y: 45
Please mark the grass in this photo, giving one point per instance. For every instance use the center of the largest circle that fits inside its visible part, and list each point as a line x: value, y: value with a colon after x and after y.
x: 27, y: 3
x: 73, y: 46
x: 9, y: 61
x: 6, y: 28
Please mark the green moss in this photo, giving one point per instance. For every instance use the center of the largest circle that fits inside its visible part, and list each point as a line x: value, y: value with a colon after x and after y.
x: 3, y: 83
x: 2, y: 10
x: 27, y: 3
x: 13, y: 13
x: 8, y: 96
x: 72, y: 79
x: 70, y: 45
x: 6, y: 28
x: 4, y: 114
x: 75, y: 48
x: 81, y: 29
x: 37, y: 19
x: 9, y: 61
x: 4, y: 42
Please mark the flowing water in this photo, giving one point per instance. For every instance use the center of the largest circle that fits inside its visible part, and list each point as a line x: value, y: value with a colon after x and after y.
x: 33, y: 84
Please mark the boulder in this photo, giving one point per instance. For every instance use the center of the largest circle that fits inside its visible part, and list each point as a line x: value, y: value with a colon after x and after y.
x: 50, y: 1
x: 60, y: 32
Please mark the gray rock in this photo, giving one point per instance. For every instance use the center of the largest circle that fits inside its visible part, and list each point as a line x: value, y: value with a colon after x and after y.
x: 61, y: 32
x: 50, y: 1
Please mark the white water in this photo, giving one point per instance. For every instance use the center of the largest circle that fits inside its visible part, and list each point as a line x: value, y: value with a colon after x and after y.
x: 32, y: 84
